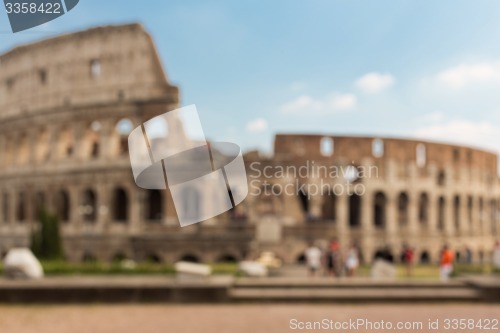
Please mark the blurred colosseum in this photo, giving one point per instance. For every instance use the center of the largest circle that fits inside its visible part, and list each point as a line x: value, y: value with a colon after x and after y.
x: 68, y: 103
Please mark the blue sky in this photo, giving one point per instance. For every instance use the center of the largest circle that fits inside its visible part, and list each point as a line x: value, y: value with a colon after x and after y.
x: 428, y: 69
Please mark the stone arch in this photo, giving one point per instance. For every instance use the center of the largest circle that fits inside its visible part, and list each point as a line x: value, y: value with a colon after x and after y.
x: 421, y: 155
x: 378, y: 148
x: 379, y: 209
x: 10, y: 151
x: 65, y: 142
x: 425, y: 257
x: 301, y: 258
x: 470, y: 211
x: 23, y: 150
x: 89, y: 206
x: 493, y: 215
x: 21, y: 207
x: 481, y: 213
x: 329, y: 207
x: 43, y: 150
x: 121, y: 130
x: 423, y: 208
x: 456, y: 212
x: 403, y: 202
x: 441, y: 208
x: 355, y: 210
x: 118, y: 257
x: 190, y: 257
x: 154, y: 258
x: 441, y: 178
x: 89, y: 257
x: 92, y: 138
x: 39, y: 204
x: 154, y: 205
x: 63, y: 205
x: 326, y: 146
x: 304, y: 201
x: 120, y: 204
x: 227, y: 258
x: 6, y: 207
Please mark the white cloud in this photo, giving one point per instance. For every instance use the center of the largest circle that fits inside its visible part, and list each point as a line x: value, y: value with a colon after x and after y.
x: 301, y: 103
x: 481, y: 134
x: 466, y: 74
x: 374, y: 83
x: 310, y: 105
x: 343, y: 102
x: 257, y: 125
x: 433, y: 117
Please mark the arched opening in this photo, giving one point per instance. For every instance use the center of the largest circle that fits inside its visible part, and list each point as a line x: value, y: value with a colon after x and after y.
x: 122, y: 130
x: 470, y: 206
x: 21, y: 207
x: 378, y: 148
x: 92, y: 139
x: 403, y: 208
x: 441, y: 213
x: 481, y: 214
x: 441, y: 178
x: 227, y: 258
x: 62, y: 205
x: 423, y: 209
x: 354, y: 210
x: 95, y: 68
x: 154, y: 205
x: 65, y: 143
x: 329, y: 206
x: 456, y: 212
x: 42, y: 152
x: 425, y: 258
x: 190, y: 258
x: 379, y: 205
x: 23, y: 150
x: 5, y: 207
x: 301, y: 259
x: 304, y: 201
x: 153, y: 258
x: 89, y: 206
x: 119, y: 257
x: 326, y: 146
x: 38, y: 204
x: 89, y: 257
x: 191, y: 203
x: 493, y: 215
x: 120, y: 205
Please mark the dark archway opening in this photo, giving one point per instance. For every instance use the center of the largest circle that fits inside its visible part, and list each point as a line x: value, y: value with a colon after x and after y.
x: 355, y: 210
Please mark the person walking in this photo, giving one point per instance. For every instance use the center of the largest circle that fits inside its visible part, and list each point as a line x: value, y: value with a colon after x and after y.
x: 333, y: 259
x: 408, y: 257
x: 446, y: 263
x: 313, y: 259
x: 352, y: 261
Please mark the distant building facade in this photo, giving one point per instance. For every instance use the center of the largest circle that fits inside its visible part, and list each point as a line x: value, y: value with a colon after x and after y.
x: 68, y: 103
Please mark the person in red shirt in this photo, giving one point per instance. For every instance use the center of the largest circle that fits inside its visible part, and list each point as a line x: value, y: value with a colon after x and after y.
x: 446, y: 263
x: 408, y: 257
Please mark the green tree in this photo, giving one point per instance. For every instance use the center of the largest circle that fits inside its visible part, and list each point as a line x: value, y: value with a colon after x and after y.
x: 46, y: 239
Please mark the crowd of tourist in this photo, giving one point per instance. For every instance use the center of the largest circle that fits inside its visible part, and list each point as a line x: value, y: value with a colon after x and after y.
x: 333, y: 262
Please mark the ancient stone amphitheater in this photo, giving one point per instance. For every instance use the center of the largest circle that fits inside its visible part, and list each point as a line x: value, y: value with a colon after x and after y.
x: 68, y: 103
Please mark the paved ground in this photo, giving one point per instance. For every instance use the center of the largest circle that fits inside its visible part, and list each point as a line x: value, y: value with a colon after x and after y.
x: 223, y: 318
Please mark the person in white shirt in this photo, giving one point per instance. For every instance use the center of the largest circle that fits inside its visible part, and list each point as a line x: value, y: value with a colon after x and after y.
x: 313, y: 259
